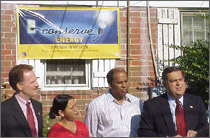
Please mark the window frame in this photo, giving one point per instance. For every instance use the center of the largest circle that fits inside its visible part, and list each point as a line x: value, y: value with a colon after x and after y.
x: 190, y: 12
x: 86, y: 86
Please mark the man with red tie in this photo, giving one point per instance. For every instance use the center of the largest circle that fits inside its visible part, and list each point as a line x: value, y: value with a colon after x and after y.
x: 21, y: 116
x: 175, y: 113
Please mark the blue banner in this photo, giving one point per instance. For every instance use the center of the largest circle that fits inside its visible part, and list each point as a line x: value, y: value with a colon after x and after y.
x: 48, y: 27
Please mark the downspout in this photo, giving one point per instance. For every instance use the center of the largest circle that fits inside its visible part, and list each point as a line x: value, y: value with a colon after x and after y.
x: 128, y: 39
x: 151, y: 43
x: 96, y: 4
x: 98, y: 91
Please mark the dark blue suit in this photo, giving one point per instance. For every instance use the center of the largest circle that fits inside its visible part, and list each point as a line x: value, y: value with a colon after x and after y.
x: 156, y: 119
x: 13, y: 121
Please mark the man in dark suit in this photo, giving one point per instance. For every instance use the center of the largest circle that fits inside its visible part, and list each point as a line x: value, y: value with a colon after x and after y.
x: 159, y: 114
x: 15, y: 114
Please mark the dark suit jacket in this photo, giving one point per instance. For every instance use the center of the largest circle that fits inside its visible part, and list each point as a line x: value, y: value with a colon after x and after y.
x: 13, y: 121
x: 157, y: 121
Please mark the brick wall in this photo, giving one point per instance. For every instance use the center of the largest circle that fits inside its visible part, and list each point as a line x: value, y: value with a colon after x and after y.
x: 140, y: 60
x: 8, y: 43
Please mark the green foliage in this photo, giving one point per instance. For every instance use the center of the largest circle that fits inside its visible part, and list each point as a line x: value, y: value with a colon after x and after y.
x: 206, y: 16
x: 195, y: 65
x: 46, y: 125
x: 4, y: 97
x: 4, y: 92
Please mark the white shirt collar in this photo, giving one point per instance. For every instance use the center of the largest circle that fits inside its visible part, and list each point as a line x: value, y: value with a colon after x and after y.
x: 21, y: 100
x: 170, y: 99
x: 111, y: 98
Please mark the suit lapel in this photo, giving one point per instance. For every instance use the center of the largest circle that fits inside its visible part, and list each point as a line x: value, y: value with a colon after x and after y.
x: 20, y: 117
x: 38, y: 114
x: 166, y: 113
x: 187, y: 107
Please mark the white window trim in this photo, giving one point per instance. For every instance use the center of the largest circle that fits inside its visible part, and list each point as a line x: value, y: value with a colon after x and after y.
x: 63, y: 87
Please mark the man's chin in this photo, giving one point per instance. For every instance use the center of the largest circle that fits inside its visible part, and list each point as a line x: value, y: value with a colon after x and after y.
x: 124, y: 93
x: 35, y: 93
x: 179, y: 95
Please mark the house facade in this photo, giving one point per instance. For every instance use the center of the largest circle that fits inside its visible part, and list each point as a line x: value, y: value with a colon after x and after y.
x: 146, y: 29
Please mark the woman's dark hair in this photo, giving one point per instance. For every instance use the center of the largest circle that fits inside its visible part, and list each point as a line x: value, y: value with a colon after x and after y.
x: 59, y: 103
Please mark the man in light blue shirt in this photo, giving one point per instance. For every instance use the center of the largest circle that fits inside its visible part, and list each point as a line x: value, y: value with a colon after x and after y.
x: 115, y: 113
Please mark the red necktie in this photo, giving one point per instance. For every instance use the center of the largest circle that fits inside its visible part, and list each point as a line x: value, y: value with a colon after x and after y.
x: 180, y: 121
x: 30, y: 119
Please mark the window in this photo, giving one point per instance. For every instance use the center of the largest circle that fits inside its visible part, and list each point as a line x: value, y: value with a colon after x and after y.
x: 193, y: 27
x: 68, y: 73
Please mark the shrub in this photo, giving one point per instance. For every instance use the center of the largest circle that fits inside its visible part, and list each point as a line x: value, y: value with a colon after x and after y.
x: 195, y: 65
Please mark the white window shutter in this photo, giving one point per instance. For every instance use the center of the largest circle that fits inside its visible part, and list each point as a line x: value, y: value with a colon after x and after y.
x: 100, y: 68
x: 168, y: 34
x: 40, y: 72
x: 21, y: 61
x: 32, y: 63
x: 95, y: 64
